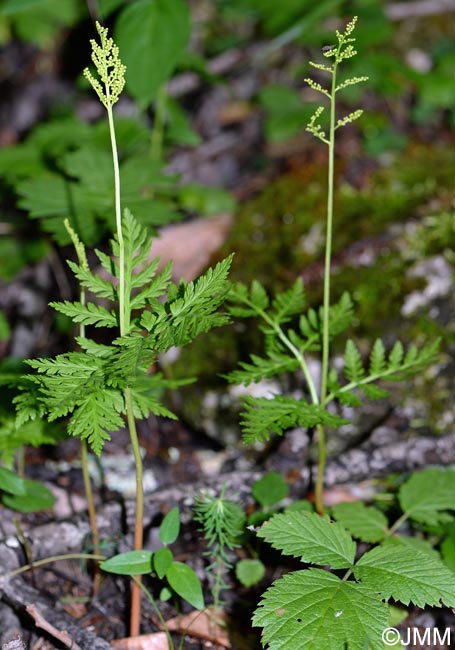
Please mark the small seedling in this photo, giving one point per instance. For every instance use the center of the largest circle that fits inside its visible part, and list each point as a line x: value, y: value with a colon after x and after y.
x: 178, y: 578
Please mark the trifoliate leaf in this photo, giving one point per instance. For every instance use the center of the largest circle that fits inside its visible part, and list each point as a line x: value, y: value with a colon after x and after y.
x: 367, y: 524
x: 407, y: 575
x: 428, y: 494
x: 312, y: 538
x: 314, y: 609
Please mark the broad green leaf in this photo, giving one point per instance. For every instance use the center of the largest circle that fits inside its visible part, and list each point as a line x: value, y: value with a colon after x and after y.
x: 426, y: 495
x: 312, y: 538
x: 151, y: 36
x: 186, y: 584
x: 249, y: 572
x: 11, y: 482
x: 162, y: 560
x: 170, y: 526
x: 270, y: 489
x: 130, y: 563
x: 407, y: 575
x: 37, y: 497
x: 448, y: 547
x: 412, y: 543
x: 367, y: 524
x: 315, y: 610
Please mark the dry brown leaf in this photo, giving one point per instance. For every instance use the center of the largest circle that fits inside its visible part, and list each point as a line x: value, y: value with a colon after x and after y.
x: 190, y: 245
x: 208, y: 624
x: 156, y: 641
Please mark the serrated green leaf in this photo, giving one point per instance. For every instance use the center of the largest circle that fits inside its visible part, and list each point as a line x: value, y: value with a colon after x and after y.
x: 314, y: 609
x: 249, y: 572
x: 89, y: 314
x: 354, y: 370
x: 162, y: 560
x: 289, y: 303
x: 275, y: 364
x: 368, y: 524
x: 262, y: 416
x: 426, y: 495
x: 377, y: 358
x: 93, y: 282
x: 270, y: 489
x: 413, y: 543
x: 407, y: 575
x: 396, y: 355
x: 170, y: 526
x: 96, y: 415
x: 130, y: 563
x: 186, y: 584
x: 312, y: 538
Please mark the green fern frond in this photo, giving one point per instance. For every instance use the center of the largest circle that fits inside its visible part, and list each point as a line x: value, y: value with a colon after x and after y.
x: 260, y: 368
x: 263, y: 416
x: 89, y: 314
x: 289, y: 303
x: 353, y: 367
x: 93, y: 282
x: 96, y: 415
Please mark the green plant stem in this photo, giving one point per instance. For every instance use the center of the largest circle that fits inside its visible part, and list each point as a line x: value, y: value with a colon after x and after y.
x: 20, y: 461
x: 91, y: 511
x: 124, y: 317
x: 118, y: 220
x: 49, y: 560
x: 140, y: 585
x: 156, y: 142
x: 291, y: 347
x: 322, y: 452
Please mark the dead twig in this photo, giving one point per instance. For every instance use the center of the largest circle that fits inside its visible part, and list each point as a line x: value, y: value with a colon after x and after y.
x: 41, y: 622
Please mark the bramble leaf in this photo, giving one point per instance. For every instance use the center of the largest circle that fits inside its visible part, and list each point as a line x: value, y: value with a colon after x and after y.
x: 427, y: 495
x: 407, y: 575
x: 312, y: 538
x: 314, y: 609
x: 368, y: 524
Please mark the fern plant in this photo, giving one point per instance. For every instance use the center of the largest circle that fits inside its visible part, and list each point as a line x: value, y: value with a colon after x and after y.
x: 291, y: 333
x: 101, y: 385
x: 314, y: 608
